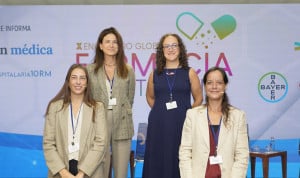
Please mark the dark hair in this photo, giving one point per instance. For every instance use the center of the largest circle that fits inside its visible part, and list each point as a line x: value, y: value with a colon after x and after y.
x: 65, y: 92
x: 122, y: 69
x: 225, y: 101
x: 161, y: 59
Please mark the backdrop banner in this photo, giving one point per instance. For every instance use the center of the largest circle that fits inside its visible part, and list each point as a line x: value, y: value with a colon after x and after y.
x: 257, y: 44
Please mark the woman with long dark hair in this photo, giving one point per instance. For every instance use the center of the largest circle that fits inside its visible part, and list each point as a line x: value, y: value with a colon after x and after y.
x: 214, y: 141
x: 113, y: 83
x: 75, y: 135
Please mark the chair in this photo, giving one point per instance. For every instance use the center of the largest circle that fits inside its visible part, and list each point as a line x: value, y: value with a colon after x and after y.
x: 140, y: 144
x: 141, y: 141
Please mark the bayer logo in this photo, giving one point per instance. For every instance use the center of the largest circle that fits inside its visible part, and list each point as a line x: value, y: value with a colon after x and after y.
x: 272, y: 87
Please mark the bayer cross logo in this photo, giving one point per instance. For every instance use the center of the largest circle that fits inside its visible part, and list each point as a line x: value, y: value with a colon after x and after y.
x: 272, y: 87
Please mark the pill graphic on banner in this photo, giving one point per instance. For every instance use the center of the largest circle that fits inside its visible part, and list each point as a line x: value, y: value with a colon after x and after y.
x: 188, y: 24
x: 224, y: 26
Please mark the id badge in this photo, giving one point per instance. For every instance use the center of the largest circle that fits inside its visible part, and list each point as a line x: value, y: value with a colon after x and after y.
x: 112, y: 101
x: 73, y: 148
x: 215, y: 159
x: 171, y: 105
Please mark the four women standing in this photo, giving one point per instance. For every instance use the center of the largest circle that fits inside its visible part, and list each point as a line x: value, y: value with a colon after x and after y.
x: 81, y: 134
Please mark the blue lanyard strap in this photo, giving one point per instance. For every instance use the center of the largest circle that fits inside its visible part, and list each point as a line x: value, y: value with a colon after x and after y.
x: 111, y: 83
x: 171, y: 85
x: 71, y: 110
x: 215, y: 134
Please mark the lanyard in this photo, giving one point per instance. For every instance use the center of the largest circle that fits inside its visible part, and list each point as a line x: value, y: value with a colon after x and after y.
x: 215, y: 134
x: 111, y: 83
x: 171, y: 85
x: 74, y: 129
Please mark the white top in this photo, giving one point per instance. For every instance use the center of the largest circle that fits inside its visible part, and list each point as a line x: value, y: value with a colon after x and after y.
x: 77, y: 121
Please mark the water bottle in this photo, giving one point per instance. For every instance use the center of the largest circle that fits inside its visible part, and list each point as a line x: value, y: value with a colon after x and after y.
x: 272, y: 143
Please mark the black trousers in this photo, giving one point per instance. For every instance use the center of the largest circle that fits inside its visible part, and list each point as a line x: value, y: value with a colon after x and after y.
x: 73, y: 167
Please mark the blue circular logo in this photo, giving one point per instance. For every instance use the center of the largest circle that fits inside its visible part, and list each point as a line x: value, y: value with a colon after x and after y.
x: 272, y: 87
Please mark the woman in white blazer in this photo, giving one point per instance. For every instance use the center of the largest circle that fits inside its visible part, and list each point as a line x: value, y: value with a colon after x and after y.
x: 214, y: 140
x: 75, y: 134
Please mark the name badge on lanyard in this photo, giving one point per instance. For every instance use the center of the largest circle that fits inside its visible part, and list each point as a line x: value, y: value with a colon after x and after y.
x: 73, y: 147
x: 112, y: 101
x: 215, y: 159
x: 171, y: 105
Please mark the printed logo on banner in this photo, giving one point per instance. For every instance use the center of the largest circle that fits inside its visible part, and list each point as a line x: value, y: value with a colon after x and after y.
x: 15, y: 28
x: 297, y: 46
x: 26, y: 50
x: 31, y: 73
x: 191, y: 27
x: 272, y: 87
x: 206, y: 34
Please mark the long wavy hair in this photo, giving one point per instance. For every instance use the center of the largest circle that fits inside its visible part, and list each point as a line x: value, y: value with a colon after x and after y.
x: 161, y: 59
x: 225, y: 101
x: 122, y: 69
x: 65, y: 91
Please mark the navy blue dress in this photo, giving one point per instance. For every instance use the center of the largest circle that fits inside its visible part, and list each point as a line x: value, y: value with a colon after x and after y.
x: 165, y: 126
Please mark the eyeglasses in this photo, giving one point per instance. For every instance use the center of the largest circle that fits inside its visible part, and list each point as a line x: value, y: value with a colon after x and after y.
x: 170, y: 46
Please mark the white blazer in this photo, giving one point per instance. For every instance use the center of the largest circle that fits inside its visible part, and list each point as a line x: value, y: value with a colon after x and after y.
x: 232, y: 144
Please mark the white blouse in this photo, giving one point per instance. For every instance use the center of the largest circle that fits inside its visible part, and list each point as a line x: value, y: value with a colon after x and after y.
x: 77, y: 121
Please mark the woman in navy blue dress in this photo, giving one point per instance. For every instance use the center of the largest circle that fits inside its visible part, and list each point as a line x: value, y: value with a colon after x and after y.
x: 168, y: 94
